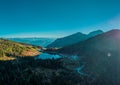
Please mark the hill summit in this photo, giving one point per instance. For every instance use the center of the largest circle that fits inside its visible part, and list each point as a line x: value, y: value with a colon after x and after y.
x: 74, y: 38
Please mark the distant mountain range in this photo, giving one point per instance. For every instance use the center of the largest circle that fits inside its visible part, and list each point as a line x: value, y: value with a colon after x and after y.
x: 74, y: 38
x: 101, y: 55
x: 34, y: 41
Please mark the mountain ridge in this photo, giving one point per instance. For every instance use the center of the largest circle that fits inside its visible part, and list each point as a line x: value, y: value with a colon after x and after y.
x: 101, y: 55
x: 110, y: 35
x: 72, y: 39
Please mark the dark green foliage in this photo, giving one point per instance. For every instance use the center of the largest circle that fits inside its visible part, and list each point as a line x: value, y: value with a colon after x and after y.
x: 28, y: 71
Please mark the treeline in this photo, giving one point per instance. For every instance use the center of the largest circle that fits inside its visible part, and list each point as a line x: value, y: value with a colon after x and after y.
x: 37, y: 72
x: 28, y: 71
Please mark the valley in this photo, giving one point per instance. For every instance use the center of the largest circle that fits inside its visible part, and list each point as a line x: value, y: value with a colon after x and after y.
x: 92, y: 61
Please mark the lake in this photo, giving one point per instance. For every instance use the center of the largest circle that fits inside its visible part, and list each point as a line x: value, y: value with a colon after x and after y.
x: 48, y: 56
x: 56, y: 56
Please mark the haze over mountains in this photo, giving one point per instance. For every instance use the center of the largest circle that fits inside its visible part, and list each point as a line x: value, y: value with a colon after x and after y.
x: 34, y: 41
x: 74, y: 38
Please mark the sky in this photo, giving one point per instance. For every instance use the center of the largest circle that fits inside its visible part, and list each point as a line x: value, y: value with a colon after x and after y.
x: 57, y: 18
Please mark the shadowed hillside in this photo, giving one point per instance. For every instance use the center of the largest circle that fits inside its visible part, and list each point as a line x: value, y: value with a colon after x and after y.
x: 102, y: 56
x: 28, y: 71
x: 108, y: 41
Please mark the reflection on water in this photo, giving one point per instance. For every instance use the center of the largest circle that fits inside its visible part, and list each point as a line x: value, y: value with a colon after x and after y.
x: 48, y: 56
x: 55, y: 56
x: 79, y: 70
x: 74, y: 59
x: 71, y: 57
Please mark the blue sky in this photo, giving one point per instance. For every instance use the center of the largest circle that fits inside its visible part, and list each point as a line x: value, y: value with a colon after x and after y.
x: 56, y: 18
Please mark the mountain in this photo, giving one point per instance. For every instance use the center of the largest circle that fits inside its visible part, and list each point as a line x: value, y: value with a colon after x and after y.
x: 72, y: 39
x: 106, y: 41
x: 13, y: 49
x: 94, y: 33
x: 68, y: 40
x: 101, y: 55
x: 34, y: 41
